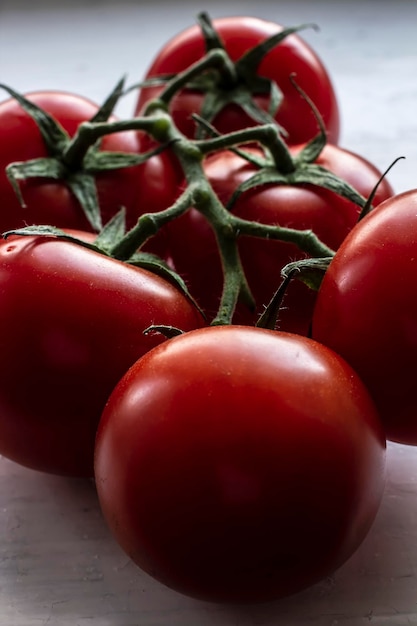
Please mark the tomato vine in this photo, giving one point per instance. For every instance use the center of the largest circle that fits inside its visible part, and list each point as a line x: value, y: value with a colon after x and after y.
x: 278, y: 166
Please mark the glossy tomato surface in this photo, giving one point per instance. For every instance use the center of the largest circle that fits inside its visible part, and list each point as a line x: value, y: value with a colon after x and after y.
x: 239, y: 464
x: 147, y: 187
x: 71, y: 323
x: 366, y: 310
x: 240, y: 34
x: 331, y: 217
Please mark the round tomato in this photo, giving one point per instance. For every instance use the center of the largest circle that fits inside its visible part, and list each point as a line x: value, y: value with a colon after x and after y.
x: 239, y: 35
x: 149, y: 187
x: 71, y: 323
x: 330, y: 216
x: 366, y: 310
x: 239, y: 464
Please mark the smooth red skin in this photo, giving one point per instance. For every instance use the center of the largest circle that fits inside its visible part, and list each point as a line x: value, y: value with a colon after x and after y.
x: 292, y: 56
x: 144, y: 188
x: 366, y: 309
x: 331, y: 217
x: 71, y: 324
x: 237, y: 464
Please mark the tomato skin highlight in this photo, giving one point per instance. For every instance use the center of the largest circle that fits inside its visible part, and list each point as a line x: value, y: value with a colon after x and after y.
x: 71, y: 323
x: 366, y: 310
x: 236, y: 464
x: 194, y: 250
x: 239, y: 34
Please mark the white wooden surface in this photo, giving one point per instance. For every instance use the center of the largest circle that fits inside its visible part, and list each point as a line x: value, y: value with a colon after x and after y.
x: 58, y: 563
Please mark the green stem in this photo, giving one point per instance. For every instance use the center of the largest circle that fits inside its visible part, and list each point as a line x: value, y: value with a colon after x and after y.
x: 89, y: 132
x: 306, y: 240
x: 281, y: 155
x: 148, y: 225
x: 216, y: 58
x: 235, y: 285
x: 76, y: 149
x: 265, y: 134
x: 200, y: 194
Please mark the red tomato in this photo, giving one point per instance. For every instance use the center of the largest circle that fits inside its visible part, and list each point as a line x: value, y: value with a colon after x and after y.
x: 148, y: 187
x: 367, y: 310
x: 240, y: 34
x: 239, y: 464
x: 71, y: 323
x: 331, y: 217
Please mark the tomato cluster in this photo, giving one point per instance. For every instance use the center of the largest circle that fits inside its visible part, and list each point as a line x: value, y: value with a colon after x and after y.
x: 209, y: 308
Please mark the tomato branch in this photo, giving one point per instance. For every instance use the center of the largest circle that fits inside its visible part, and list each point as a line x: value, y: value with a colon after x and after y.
x: 305, y: 240
x: 200, y: 195
x: 149, y: 224
x: 235, y: 285
x: 266, y: 134
x: 213, y: 59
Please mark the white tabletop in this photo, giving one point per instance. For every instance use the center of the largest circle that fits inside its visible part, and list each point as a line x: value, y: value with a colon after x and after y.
x: 58, y: 563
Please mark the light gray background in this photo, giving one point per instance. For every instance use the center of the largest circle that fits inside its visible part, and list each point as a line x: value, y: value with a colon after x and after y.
x: 58, y: 563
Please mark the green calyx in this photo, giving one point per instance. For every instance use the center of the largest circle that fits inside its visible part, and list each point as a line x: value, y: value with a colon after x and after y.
x: 279, y: 167
x: 303, y: 172
x: 237, y: 82
x: 74, y: 161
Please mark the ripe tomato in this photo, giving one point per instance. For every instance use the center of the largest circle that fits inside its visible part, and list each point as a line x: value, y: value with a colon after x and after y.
x: 239, y: 464
x: 151, y: 186
x: 331, y: 217
x: 367, y: 310
x: 239, y: 35
x: 71, y: 323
